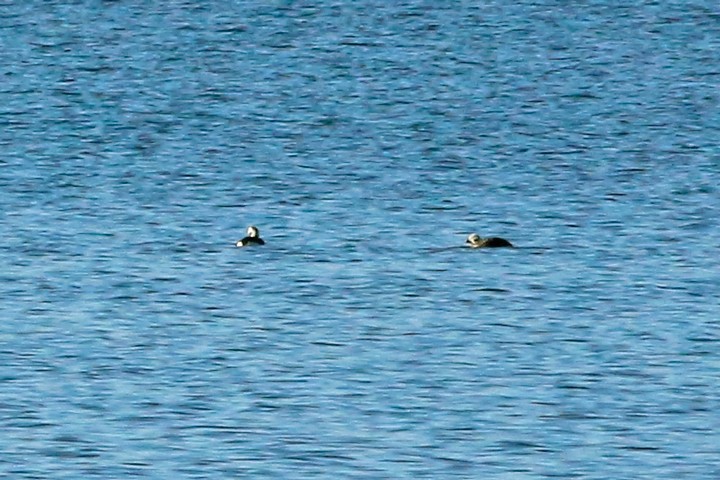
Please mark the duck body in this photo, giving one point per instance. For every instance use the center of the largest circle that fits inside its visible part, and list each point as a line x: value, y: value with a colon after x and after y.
x: 249, y: 241
x: 476, y: 241
x: 252, y: 238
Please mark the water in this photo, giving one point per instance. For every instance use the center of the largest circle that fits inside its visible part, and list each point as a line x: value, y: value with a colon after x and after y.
x: 366, y: 140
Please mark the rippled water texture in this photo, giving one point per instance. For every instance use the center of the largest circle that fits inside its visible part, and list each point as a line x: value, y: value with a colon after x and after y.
x: 366, y: 140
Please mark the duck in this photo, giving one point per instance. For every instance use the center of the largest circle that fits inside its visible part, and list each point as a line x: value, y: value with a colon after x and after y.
x: 476, y: 241
x: 253, y: 238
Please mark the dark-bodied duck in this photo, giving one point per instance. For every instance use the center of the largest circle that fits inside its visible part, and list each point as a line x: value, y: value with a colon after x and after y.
x: 253, y: 238
x: 476, y: 241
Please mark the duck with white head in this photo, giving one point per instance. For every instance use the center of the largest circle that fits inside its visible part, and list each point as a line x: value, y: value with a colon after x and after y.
x: 252, y: 238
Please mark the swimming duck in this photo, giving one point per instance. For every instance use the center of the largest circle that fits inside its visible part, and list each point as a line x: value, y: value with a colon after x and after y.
x: 253, y: 238
x: 476, y: 241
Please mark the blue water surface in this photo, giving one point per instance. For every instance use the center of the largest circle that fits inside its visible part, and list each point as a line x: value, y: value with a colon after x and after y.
x: 366, y: 140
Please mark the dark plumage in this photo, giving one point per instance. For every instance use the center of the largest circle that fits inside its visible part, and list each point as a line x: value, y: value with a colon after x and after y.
x: 253, y: 238
x: 476, y: 241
